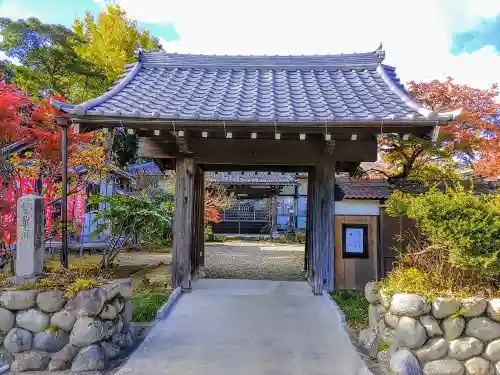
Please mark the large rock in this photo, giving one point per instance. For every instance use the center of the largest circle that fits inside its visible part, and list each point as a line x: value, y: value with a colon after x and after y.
x: 50, y: 340
x: 433, y: 349
x: 497, y: 368
x: 33, y: 320
x: 443, y: 307
x: 409, y: 305
x: 118, y: 324
x: 18, y: 340
x: 478, y: 366
x: 384, y: 356
x: 446, y: 366
x: 387, y: 336
x: 118, y: 304
x: 132, y: 329
x: 30, y: 361
x: 410, y: 333
x: 492, y: 351
x: 123, y: 340
x: 50, y: 301
x: 63, y: 358
x: 109, y: 329
x: 465, y: 347
x: 431, y: 325
x: 111, y: 351
x: 453, y: 328
x: 6, y: 358
x: 127, y: 312
x: 472, y: 306
x: 369, y: 340
x: 483, y: 328
x: 88, y: 303
x: 7, y: 320
x: 18, y: 299
x: 90, y: 358
x: 494, y: 309
x: 64, y: 319
x: 391, y: 320
x: 86, y: 331
x: 371, y: 292
x: 108, y: 312
x: 121, y: 287
x: 404, y: 362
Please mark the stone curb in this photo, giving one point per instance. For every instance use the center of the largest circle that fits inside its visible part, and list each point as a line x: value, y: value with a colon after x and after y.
x: 336, y: 307
x: 165, y: 310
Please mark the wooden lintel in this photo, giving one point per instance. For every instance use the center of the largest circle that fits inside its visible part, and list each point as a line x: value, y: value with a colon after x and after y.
x: 268, y: 151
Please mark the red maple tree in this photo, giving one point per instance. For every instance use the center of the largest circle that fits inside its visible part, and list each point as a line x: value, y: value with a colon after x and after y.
x: 474, y: 138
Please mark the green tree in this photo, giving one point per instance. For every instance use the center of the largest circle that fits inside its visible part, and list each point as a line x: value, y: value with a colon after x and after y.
x: 48, y: 61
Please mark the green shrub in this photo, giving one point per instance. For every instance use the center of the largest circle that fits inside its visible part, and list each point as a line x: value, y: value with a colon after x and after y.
x: 355, y: 307
x: 466, y: 225
x: 147, y: 302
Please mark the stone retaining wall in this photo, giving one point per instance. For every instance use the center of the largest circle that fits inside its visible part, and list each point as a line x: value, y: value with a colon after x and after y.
x: 41, y: 330
x: 445, y: 337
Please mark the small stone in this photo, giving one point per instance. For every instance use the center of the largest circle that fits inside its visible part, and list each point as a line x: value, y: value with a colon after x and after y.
x: 63, y: 358
x: 108, y: 312
x: 409, y: 305
x: 492, y: 351
x: 446, y: 366
x: 50, y: 301
x: 123, y: 340
x: 118, y: 304
x: 88, y: 303
x: 472, y: 306
x: 387, y: 336
x: 90, y: 358
x: 497, y: 368
x: 86, y: 331
x: 494, y: 309
x: 478, y: 366
x: 132, y: 329
x: 109, y: 329
x: 404, y: 362
x: 111, y: 351
x: 453, y: 328
x: 410, y: 333
x: 127, y: 312
x: 369, y: 340
x: 391, y: 320
x: 18, y: 299
x: 30, y: 361
x: 5, y: 358
x: 118, y: 324
x: 431, y: 325
x: 49, y: 341
x: 371, y: 292
x: 64, y: 319
x: 443, y: 307
x: 465, y: 347
x: 33, y: 320
x: 433, y: 349
x: 7, y: 320
x: 18, y: 340
x: 483, y: 328
x: 383, y: 356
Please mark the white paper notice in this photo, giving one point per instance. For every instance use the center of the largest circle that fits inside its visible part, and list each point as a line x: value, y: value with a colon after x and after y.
x: 354, y: 240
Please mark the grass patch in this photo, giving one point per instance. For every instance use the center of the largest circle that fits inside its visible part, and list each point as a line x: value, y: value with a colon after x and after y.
x: 355, y: 307
x: 148, y: 301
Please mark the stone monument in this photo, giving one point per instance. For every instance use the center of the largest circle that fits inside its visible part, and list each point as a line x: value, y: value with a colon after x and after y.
x: 29, y: 247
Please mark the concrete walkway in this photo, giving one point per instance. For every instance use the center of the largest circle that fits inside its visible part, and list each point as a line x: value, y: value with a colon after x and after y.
x: 244, y: 327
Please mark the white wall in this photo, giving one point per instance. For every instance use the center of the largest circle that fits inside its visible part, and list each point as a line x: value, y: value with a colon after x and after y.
x: 357, y: 207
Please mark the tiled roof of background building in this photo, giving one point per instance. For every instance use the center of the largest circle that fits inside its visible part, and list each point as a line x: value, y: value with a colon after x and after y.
x: 309, y: 89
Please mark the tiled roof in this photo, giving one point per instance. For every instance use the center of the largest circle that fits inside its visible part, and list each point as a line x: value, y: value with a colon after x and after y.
x: 252, y: 178
x: 365, y: 189
x: 309, y: 89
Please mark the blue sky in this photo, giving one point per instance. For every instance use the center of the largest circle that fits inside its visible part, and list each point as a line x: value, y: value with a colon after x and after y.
x: 424, y: 39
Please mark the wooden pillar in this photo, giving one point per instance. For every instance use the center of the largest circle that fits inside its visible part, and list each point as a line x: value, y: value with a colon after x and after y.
x: 183, y: 223
x: 309, y: 258
x: 323, y: 211
x: 197, y: 245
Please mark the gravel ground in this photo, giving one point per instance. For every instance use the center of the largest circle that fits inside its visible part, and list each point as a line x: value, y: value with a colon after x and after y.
x: 254, y: 261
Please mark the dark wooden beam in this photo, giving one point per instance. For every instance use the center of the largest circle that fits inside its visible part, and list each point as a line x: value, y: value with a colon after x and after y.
x: 265, y: 151
x: 183, y: 223
x: 197, y: 246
